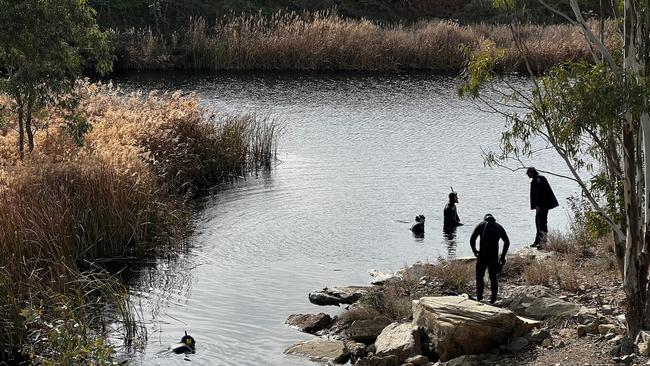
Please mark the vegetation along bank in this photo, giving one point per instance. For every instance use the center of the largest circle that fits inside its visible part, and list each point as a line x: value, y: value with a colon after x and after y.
x: 325, y: 41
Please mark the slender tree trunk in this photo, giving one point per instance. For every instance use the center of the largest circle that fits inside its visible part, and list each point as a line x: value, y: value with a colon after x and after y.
x: 21, y: 133
x: 635, y: 294
x: 28, y: 123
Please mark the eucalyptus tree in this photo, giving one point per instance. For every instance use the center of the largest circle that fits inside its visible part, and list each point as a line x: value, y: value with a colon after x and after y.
x: 44, y: 47
x: 590, y: 114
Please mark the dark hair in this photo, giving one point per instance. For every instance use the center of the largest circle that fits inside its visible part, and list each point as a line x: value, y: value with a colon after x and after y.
x: 452, y: 195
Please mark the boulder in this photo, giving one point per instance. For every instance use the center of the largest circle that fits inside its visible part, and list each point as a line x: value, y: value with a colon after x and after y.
x: 378, y: 361
x: 401, y: 340
x: 550, y: 308
x: 321, y: 350
x: 522, y: 296
x: 337, y: 295
x: 367, y: 330
x: 310, y: 323
x: 458, y: 326
x: 379, y: 277
x: 415, y: 271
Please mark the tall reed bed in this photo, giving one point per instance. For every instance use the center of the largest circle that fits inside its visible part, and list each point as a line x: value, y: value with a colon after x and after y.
x: 123, y: 192
x: 325, y: 41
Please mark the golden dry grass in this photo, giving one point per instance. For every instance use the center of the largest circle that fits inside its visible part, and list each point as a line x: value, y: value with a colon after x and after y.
x: 455, y: 275
x: 121, y: 193
x: 325, y: 41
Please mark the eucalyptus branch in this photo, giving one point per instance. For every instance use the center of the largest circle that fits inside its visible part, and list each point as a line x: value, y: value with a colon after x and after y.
x: 585, y: 190
x: 591, y: 37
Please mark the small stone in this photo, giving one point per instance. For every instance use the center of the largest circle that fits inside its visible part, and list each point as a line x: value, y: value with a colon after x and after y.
x: 582, y: 330
x: 609, y: 336
x: 546, y: 343
x: 606, y: 328
x: 643, y: 349
x: 561, y: 344
x: 566, y: 333
x: 539, y: 335
x: 518, y: 344
x: 418, y: 360
x: 616, y: 339
x: 607, y: 309
x: 627, y: 359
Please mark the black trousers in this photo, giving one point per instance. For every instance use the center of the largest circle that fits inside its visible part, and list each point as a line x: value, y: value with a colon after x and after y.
x: 541, y: 224
x: 492, y: 267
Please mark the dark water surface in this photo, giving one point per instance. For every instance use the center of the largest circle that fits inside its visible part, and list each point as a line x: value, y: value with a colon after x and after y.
x: 360, y: 158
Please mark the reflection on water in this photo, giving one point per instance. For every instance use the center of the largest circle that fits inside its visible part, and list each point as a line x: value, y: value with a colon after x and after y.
x: 362, y: 155
x: 449, y: 240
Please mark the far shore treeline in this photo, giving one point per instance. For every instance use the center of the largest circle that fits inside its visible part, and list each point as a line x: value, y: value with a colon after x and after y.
x: 325, y: 41
x: 325, y: 35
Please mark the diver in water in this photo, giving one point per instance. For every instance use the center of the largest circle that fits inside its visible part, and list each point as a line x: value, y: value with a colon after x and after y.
x: 418, y: 227
x: 451, y: 218
x: 186, y: 345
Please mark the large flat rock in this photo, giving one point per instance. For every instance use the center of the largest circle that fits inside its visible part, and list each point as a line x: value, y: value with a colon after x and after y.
x: 458, y: 326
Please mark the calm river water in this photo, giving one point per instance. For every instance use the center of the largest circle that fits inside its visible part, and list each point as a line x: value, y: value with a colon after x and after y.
x: 361, y: 157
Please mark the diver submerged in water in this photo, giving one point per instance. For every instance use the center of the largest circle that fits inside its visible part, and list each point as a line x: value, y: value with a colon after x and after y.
x: 418, y: 227
x: 186, y: 345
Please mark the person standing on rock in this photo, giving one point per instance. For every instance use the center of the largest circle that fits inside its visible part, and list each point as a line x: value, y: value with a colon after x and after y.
x: 488, y: 254
x: 542, y: 199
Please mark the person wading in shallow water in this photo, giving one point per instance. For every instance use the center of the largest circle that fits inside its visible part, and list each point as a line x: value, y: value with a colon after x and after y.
x: 542, y: 199
x: 451, y: 219
x: 488, y: 254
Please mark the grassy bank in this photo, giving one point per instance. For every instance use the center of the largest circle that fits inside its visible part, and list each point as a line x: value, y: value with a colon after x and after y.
x: 121, y: 189
x: 325, y: 41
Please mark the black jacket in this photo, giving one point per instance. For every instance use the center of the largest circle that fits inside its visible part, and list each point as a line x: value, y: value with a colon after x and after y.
x: 450, y: 215
x: 541, y: 194
x: 490, y: 233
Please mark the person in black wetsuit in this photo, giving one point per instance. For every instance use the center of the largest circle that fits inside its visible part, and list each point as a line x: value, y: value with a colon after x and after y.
x: 418, y: 227
x: 542, y: 199
x: 451, y: 218
x: 488, y: 254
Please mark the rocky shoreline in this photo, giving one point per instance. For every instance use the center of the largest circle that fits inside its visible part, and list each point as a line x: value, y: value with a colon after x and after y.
x: 421, y: 316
